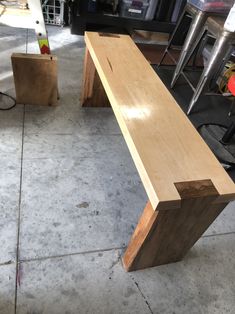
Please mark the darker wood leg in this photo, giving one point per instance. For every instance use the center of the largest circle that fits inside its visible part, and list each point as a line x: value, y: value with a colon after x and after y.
x: 93, y: 93
x: 165, y: 236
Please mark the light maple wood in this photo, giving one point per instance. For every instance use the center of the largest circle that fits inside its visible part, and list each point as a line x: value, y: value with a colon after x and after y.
x: 186, y: 185
x: 35, y: 79
x: 163, y: 143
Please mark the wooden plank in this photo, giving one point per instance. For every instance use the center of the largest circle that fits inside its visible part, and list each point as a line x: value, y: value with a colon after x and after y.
x: 163, y: 237
x: 35, y: 79
x: 93, y: 93
x: 164, y: 145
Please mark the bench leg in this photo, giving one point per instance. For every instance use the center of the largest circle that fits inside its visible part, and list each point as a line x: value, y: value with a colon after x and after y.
x: 165, y: 236
x: 93, y: 93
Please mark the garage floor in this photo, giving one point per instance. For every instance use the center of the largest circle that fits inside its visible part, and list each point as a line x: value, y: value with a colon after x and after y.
x: 70, y: 200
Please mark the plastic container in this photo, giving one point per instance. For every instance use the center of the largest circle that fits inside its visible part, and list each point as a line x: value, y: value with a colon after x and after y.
x: 134, y: 9
x: 179, y: 5
x: 92, y: 6
x: 215, y: 6
x: 230, y: 21
x: 151, y: 10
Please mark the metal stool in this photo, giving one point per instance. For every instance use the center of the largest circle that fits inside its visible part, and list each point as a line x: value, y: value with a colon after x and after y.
x: 198, y: 21
x: 221, y: 52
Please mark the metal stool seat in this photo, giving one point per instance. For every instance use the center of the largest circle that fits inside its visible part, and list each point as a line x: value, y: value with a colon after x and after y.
x: 221, y: 52
x: 198, y: 21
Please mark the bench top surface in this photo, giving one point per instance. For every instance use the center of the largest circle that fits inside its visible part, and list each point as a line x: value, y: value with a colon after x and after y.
x: 164, y: 145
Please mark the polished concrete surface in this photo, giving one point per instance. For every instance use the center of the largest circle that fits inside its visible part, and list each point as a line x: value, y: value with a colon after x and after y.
x: 70, y: 200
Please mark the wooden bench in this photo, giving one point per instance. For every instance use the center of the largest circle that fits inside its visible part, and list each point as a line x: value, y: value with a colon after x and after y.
x: 186, y: 186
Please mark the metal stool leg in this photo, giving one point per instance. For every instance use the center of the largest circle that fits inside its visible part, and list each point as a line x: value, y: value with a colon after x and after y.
x: 195, y: 28
x: 201, y: 45
x: 172, y: 36
x: 221, y: 51
x: 201, y: 38
x: 220, y: 68
x: 232, y: 109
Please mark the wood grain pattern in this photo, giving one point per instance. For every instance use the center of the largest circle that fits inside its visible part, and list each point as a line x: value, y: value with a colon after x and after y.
x: 35, y: 79
x: 163, y: 237
x: 186, y: 185
x: 163, y: 143
x: 93, y: 93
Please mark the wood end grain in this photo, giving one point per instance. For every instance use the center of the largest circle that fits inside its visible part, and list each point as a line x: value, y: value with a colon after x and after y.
x: 195, y: 189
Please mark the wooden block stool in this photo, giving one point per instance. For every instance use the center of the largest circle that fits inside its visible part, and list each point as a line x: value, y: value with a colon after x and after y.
x: 35, y: 79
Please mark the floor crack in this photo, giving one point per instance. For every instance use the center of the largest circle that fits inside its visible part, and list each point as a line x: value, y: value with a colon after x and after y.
x: 26, y: 260
x: 218, y: 234
x: 143, y: 296
x: 17, y: 277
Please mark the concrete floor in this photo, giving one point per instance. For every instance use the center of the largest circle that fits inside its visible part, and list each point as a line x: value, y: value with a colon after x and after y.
x: 70, y: 200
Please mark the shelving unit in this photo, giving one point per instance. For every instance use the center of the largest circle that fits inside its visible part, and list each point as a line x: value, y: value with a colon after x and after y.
x: 82, y: 20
